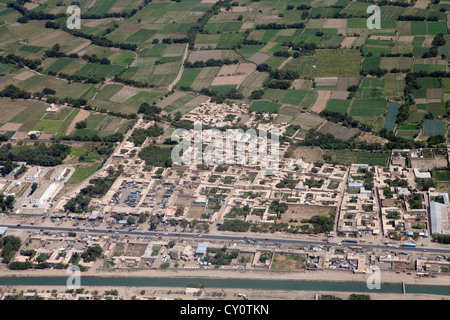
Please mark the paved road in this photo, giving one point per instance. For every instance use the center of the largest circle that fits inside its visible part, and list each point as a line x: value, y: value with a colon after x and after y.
x: 231, y: 238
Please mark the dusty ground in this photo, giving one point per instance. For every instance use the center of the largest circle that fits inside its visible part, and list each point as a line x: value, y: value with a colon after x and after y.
x: 10, y: 126
x: 321, y: 102
x: 308, y: 154
x: 335, y: 23
x: 259, y: 57
x: 324, y: 275
x: 24, y: 75
x: 222, y: 294
x: 124, y: 94
x: 326, y: 81
x: 300, y: 212
x: 228, y: 80
x: 205, y: 55
x: 347, y: 42
x: 82, y: 115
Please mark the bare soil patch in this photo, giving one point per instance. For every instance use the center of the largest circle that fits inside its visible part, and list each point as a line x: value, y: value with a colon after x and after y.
x: 124, y: 94
x: 195, y: 212
x: 338, y: 131
x: 341, y: 95
x: 10, y: 126
x: 170, y: 99
x: 321, y: 102
x: 204, y: 55
x: 347, y: 42
x: 435, y: 93
x: 345, y: 82
x: 131, y: 28
x: 24, y: 75
x: 335, y: 23
x: 94, y: 23
x: 81, y: 47
x: 228, y: 80
x: 82, y: 115
x: 421, y: 4
x: 228, y: 70
x: 376, y: 37
x: 404, y: 62
x: 198, y: 100
x: 299, y: 212
x: 31, y: 6
x: 371, y: 138
x: 308, y: 154
x: 259, y: 57
x: 135, y: 250
x: 406, y: 39
x: 292, y: 262
x: 329, y: 81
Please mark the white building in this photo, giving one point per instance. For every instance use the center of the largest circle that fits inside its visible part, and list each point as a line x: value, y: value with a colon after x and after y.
x: 33, y: 173
x: 42, y: 193
x: 422, y: 175
x: 58, y: 174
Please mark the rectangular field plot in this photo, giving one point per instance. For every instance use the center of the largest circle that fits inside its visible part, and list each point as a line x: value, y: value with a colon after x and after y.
x: 99, y: 70
x: 371, y: 63
x: 265, y: 106
x: 338, y: 131
x: 443, y: 175
x: 368, y: 107
x: 331, y: 62
x: 363, y: 157
x: 391, y: 116
x: 428, y: 67
x: 337, y: 105
x: 58, y: 65
x: 434, y: 128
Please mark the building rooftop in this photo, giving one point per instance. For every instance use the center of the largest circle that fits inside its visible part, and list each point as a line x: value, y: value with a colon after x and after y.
x: 440, y: 216
x: 201, y: 248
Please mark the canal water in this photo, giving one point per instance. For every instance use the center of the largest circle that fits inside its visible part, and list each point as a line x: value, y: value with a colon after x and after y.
x: 228, y: 283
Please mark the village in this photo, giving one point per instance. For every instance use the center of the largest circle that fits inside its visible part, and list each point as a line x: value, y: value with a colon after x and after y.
x: 356, y: 216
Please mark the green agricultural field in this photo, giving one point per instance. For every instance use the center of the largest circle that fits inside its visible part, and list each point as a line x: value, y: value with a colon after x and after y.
x: 188, y: 77
x: 336, y: 63
x: 418, y: 27
x: 295, y: 97
x: 61, y: 115
x: 363, y: 157
x: 368, y: 107
x: 428, y: 67
x: 99, y: 70
x: 59, y: 65
x: 32, y: 49
x: 126, y: 58
x: 141, y: 36
x: 156, y: 51
x: 408, y: 127
x: 82, y: 173
x: 222, y: 89
x: 442, y: 175
x: 446, y: 84
x: 371, y: 63
x: 336, y: 105
x: 265, y: 106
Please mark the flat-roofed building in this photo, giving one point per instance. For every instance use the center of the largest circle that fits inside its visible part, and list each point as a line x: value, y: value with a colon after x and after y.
x: 43, y: 192
x: 440, y: 217
x: 422, y: 175
x: 3, y: 231
x: 33, y: 173
x: 201, y: 249
x: 58, y: 174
